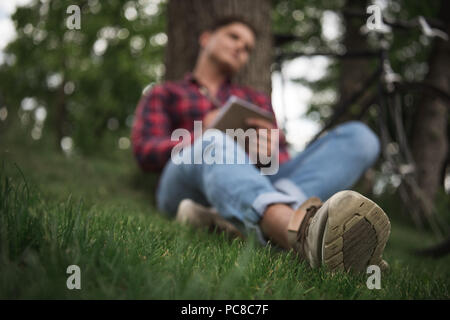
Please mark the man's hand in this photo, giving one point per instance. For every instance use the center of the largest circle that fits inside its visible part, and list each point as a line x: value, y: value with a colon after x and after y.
x: 209, y: 118
x: 264, y: 137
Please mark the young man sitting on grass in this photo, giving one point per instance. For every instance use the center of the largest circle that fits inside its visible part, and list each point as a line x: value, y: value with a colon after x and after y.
x: 348, y: 231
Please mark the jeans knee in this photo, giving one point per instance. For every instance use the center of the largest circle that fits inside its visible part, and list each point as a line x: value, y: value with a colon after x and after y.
x: 362, y: 140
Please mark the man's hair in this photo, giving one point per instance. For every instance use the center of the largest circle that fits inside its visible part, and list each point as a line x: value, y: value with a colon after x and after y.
x: 224, y: 21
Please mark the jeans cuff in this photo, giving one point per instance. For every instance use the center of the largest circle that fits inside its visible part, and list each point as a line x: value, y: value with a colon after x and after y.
x: 288, y: 187
x: 264, y: 200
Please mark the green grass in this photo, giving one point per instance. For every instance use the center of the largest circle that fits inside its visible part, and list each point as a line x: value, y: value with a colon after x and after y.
x: 97, y: 213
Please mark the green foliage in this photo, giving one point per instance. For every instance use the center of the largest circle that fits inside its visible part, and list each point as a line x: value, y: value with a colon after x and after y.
x: 87, y: 77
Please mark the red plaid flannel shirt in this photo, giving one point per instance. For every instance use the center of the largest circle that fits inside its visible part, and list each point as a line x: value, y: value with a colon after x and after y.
x: 173, y: 105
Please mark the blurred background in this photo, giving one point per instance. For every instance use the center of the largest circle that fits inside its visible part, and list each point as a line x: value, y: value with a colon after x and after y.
x: 74, y: 92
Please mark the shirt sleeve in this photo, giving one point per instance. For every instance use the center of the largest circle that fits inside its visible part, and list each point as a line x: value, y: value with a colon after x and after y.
x: 151, y: 131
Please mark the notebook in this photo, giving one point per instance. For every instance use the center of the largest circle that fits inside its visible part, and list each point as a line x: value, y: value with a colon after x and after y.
x: 234, y: 113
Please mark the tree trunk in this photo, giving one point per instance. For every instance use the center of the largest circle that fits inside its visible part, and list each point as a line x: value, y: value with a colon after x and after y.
x: 429, y: 138
x: 353, y: 72
x: 186, y: 20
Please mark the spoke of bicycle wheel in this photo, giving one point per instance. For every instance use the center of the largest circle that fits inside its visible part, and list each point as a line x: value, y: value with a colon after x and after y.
x: 401, y: 132
x: 407, y: 179
x: 396, y: 113
x: 434, y: 220
x: 341, y: 108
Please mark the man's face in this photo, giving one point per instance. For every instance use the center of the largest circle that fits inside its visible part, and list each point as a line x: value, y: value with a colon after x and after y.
x: 230, y: 46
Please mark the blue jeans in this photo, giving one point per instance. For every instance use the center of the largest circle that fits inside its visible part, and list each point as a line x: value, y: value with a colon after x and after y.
x: 241, y: 194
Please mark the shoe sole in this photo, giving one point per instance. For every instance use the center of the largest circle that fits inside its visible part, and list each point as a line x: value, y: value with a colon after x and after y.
x: 356, y: 233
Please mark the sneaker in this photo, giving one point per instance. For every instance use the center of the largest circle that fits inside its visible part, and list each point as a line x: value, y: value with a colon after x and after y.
x: 198, y: 216
x: 347, y: 232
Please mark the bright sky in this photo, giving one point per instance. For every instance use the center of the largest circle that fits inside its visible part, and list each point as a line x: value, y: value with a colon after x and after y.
x: 290, y: 101
x: 6, y: 26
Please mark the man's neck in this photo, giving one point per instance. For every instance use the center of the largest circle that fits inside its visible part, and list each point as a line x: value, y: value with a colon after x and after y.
x: 209, y: 76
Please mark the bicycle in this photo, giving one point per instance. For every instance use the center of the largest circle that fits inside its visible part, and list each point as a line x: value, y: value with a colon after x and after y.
x: 388, y: 98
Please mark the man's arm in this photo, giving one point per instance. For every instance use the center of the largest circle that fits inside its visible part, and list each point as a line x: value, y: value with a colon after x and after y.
x: 152, y: 130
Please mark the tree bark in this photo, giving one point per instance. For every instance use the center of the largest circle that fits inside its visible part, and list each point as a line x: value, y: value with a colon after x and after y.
x: 353, y: 72
x: 429, y: 138
x: 188, y: 18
